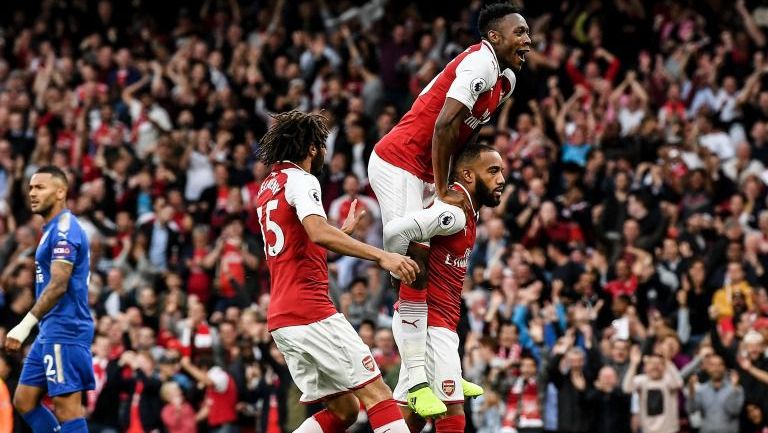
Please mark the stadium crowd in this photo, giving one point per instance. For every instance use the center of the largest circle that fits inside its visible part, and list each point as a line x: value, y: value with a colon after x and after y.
x: 621, y: 285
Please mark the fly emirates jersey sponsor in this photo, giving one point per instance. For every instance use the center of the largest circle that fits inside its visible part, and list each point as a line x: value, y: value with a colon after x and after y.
x: 451, y: 238
x: 472, y: 78
x: 448, y: 257
x: 297, y: 266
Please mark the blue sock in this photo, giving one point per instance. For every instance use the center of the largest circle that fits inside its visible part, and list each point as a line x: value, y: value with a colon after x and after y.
x: 77, y: 425
x: 41, y: 420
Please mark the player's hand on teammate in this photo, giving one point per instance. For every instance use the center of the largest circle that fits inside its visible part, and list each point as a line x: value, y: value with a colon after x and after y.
x: 404, y: 267
x: 353, y: 218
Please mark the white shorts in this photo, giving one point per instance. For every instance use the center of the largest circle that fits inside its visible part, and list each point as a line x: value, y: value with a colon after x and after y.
x: 443, y: 364
x: 326, y: 358
x: 398, y: 191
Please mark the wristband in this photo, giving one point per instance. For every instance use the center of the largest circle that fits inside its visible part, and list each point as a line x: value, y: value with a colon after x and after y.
x: 21, y: 331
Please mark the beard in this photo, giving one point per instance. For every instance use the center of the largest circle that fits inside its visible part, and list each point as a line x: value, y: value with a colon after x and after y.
x: 485, y: 195
x: 44, y: 209
x: 318, y: 164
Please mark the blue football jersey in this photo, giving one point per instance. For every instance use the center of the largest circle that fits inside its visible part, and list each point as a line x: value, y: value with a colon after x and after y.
x: 69, y: 321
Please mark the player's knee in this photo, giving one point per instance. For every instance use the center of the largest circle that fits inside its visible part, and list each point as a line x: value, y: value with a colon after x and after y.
x: 346, y: 408
x: 349, y: 416
x: 69, y: 407
x: 455, y: 410
x: 390, y: 233
x: 374, y: 393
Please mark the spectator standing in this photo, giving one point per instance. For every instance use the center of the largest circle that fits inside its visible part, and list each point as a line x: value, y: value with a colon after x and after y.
x: 719, y: 400
x: 657, y: 390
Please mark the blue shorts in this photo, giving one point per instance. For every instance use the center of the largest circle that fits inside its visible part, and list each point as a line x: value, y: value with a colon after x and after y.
x: 59, y: 368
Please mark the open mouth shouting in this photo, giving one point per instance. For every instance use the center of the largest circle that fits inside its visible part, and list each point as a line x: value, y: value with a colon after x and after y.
x: 522, y: 53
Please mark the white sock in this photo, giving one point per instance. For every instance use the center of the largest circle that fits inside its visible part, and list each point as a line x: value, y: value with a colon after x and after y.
x: 413, y: 320
x: 310, y: 425
x: 322, y: 422
x: 397, y: 426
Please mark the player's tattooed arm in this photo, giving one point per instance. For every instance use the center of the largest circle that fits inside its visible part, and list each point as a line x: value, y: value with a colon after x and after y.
x: 445, y: 142
x: 60, y: 274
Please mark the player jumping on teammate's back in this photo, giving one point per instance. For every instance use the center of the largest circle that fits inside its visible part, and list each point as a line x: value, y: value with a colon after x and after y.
x: 413, y: 161
x: 59, y: 362
x: 478, y: 173
x: 326, y: 358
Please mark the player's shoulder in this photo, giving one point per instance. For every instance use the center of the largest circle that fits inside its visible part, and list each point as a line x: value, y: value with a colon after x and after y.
x: 68, y: 226
x: 295, y: 177
x: 300, y: 184
x: 480, y: 61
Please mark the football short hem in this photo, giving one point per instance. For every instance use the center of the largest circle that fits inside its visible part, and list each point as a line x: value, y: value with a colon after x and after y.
x: 41, y: 385
x: 337, y: 394
x: 61, y: 390
x: 73, y: 389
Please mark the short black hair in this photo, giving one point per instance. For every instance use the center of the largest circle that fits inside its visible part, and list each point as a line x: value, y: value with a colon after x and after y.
x: 528, y: 355
x: 291, y: 135
x: 356, y: 281
x: 55, y: 172
x: 491, y: 13
x: 367, y: 322
x: 468, y: 155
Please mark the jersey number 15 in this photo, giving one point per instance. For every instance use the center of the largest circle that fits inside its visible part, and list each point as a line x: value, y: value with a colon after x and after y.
x: 271, y: 226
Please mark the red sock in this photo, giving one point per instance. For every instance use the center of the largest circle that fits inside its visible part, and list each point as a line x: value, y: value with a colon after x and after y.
x: 385, y: 415
x: 408, y: 293
x: 451, y: 424
x: 329, y: 421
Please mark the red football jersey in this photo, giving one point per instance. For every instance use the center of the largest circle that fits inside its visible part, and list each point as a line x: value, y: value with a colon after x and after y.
x: 448, y: 257
x: 297, y: 266
x: 472, y: 78
x: 451, y: 238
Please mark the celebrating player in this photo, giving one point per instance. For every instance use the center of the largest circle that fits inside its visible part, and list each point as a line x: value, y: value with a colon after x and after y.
x: 326, y: 358
x: 60, y: 359
x: 478, y: 175
x: 413, y: 161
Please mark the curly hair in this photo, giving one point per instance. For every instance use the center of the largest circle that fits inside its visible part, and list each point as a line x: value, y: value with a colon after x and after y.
x: 291, y: 135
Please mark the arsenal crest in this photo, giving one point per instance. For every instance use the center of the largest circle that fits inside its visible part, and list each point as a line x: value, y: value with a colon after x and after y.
x: 448, y: 387
x: 368, y: 363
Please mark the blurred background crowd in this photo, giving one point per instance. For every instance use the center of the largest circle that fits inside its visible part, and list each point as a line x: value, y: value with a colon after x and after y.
x: 620, y: 286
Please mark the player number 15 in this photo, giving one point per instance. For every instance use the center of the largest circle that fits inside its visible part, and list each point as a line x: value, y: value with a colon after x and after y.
x: 271, y: 226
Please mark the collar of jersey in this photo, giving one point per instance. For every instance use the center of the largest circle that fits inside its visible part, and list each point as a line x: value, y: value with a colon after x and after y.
x: 490, y: 47
x: 56, y: 218
x: 291, y: 163
x: 474, y: 212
